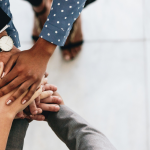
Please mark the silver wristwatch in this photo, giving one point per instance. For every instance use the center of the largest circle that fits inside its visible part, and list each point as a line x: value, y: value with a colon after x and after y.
x: 6, y: 44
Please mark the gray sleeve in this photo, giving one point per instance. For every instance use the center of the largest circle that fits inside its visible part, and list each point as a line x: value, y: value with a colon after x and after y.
x: 76, y: 133
x: 17, y: 134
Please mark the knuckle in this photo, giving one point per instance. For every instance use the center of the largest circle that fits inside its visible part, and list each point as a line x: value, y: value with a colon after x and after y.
x: 13, y: 97
x: 31, y: 92
x: 29, y: 74
x: 53, y: 99
x: 2, y: 92
x: 27, y: 98
x: 21, y: 90
x: 11, y: 86
x: 19, y: 69
x: 4, y: 81
x: 34, y: 77
x: 32, y: 107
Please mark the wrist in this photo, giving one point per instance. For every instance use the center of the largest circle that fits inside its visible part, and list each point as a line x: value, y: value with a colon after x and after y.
x: 7, y: 116
x: 44, y: 47
x: 4, y: 33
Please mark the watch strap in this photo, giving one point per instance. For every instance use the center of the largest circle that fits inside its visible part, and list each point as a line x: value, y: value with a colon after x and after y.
x: 5, y: 19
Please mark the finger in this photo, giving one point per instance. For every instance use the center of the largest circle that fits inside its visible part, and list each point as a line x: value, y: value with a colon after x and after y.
x: 46, y: 94
x: 24, y: 87
x: 17, y: 106
x: 50, y: 87
x: 8, y: 78
x: 30, y: 93
x: 21, y: 115
x: 49, y: 107
x: 44, y: 81
x: 1, y: 68
x: 39, y: 110
x: 38, y: 117
x: 11, y: 86
x: 37, y: 100
x: 52, y: 100
x: 10, y: 63
x: 33, y: 108
x: 46, y: 74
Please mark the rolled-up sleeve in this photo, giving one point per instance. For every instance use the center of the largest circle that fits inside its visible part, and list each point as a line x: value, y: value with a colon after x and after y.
x: 60, y: 20
x: 11, y: 31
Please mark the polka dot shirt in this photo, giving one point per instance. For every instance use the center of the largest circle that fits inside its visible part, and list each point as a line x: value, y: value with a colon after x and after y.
x: 11, y: 31
x: 59, y: 22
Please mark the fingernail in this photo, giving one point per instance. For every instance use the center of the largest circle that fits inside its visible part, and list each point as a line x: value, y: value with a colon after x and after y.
x: 51, y: 92
x: 35, y: 112
x: 3, y: 74
x: 67, y: 57
x: 8, y: 102
x: 24, y: 102
x: 57, y: 107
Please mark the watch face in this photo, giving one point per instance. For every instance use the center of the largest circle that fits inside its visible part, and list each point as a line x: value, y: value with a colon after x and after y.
x: 6, y: 43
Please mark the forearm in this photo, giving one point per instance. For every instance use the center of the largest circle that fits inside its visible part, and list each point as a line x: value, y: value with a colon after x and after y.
x: 5, y: 125
x: 76, y: 133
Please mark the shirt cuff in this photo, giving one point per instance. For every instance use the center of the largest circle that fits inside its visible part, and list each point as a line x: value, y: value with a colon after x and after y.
x: 54, y: 34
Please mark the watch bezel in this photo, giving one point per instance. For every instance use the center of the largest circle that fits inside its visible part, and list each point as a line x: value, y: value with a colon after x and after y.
x: 1, y: 50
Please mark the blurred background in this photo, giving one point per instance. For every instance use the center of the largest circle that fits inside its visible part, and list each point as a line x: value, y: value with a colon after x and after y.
x: 108, y: 83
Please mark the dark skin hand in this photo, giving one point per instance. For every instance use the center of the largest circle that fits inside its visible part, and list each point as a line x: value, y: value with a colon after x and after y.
x: 5, y: 56
x: 26, y: 70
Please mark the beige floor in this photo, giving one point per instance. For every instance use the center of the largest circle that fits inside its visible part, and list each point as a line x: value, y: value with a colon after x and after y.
x: 108, y: 83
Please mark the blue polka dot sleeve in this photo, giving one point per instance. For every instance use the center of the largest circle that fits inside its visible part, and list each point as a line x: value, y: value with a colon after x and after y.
x: 11, y: 31
x: 60, y: 20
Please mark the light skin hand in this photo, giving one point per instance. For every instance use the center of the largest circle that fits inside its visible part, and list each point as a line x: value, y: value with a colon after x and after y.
x: 48, y: 103
x: 7, y: 113
x: 26, y: 69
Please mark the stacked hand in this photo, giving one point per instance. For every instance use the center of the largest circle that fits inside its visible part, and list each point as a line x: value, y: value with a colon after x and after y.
x: 24, y: 71
x: 12, y: 110
x: 48, y: 100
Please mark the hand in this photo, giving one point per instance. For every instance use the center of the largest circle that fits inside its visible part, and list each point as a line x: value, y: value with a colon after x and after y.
x: 16, y: 107
x: 5, y: 56
x: 26, y: 69
x: 47, y: 102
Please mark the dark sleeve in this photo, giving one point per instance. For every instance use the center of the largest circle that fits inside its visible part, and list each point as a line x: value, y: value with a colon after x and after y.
x: 76, y: 133
x: 4, y: 19
x: 17, y: 134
